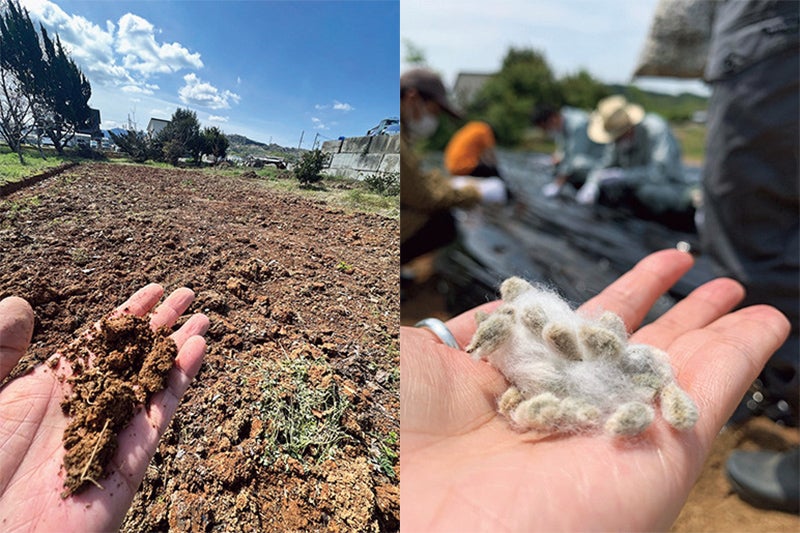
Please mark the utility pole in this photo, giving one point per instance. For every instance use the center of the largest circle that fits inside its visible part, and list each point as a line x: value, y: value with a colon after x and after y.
x: 314, y: 147
x: 132, y: 123
x: 300, y: 144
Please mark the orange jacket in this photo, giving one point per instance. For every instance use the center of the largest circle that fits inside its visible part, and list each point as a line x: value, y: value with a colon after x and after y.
x: 463, y: 152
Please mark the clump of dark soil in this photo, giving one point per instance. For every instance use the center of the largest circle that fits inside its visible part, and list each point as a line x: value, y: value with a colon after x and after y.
x: 116, y: 370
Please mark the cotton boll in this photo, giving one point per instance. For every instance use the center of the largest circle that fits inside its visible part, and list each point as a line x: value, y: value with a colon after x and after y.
x: 563, y: 340
x: 512, y: 288
x: 491, y: 333
x: 509, y: 401
x: 641, y: 358
x: 570, y: 372
x: 554, y: 307
x: 534, y: 319
x: 542, y: 413
x: 600, y: 343
x: 677, y: 407
x: 630, y: 419
x: 614, y: 323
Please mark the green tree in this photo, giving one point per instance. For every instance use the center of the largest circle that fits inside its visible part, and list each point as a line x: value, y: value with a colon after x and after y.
x: 42, y: 88
x: 308, y: 170
x: 215, y: 143
x: 581, y: 90
x: 414, y: 54
x: 181, y: 137
x: 66, y: 95
x: 507, y: 99
x: 133, y: 143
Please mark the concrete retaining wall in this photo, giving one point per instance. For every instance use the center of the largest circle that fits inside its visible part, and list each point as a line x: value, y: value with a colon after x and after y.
x: 357, y: 157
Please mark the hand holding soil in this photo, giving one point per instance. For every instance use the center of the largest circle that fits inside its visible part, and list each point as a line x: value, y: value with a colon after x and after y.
x: 32, y: 422
x: 464, y: 468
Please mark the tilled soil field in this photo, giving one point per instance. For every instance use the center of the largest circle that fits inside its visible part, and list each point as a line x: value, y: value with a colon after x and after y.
x: 292, y: 422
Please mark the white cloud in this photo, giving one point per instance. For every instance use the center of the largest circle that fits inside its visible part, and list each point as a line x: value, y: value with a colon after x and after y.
x: 164, y: 113
x: 126, y: 54
x: 318, y: 124
x: 136, y: 42
x: 203, y: 94
x: 144, y: 88
x: 88, y: 44
x: 339, y: 106
x: 218, y: 119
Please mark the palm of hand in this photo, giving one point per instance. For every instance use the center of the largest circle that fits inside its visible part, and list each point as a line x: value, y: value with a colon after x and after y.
x: 464, y: 468
x: 32, y: 425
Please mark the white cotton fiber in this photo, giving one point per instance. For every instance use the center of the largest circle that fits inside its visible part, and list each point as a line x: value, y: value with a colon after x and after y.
x: 572, y: 373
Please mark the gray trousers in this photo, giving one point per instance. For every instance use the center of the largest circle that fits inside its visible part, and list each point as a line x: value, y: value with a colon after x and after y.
x: 751, y: 206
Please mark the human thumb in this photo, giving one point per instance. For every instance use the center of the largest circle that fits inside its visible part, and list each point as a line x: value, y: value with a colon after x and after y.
x: 16, y: 329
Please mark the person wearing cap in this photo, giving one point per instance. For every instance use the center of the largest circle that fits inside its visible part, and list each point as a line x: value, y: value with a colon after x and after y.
x: 641, y: 167
x: 427, y: 197
x: 576, y: 154
x: 470, y: 151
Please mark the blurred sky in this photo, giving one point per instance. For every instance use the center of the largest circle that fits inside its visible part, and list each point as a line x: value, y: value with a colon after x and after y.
x: 265, y: 69
x: 604, y: 37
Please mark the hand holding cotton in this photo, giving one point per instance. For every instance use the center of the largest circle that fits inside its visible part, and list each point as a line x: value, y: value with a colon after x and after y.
x: 572, y: 373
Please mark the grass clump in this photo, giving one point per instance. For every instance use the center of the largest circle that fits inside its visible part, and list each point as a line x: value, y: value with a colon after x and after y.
x: 12, y: 171
x: 385, y: 453
x: 384, y: 183
x: 301, y: 408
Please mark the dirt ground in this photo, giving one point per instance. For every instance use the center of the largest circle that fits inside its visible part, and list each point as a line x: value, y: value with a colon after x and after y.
x: 293, y: 420
x: 712, y: 505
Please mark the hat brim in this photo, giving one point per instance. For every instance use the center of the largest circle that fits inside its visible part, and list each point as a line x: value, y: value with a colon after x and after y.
x: 598, y: 133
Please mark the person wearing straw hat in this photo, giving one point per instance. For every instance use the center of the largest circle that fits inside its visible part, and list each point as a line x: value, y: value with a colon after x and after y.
x: 641, y: 167
x: 576, y: 155
x: 427, y: 197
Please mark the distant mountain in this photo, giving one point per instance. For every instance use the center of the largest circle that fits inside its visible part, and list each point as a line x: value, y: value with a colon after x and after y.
x: 242, y: 146
x: 242, y: 140
x: 677, y: 108
x: 115, y: 131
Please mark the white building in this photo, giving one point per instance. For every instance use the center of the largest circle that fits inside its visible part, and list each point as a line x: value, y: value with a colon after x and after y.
x: 156, y: 125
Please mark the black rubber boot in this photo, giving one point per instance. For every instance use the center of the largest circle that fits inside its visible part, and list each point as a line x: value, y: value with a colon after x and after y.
x: 766, y: 479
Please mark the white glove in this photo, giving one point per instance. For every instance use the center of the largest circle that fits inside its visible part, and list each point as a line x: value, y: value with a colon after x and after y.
x: 493, y: 190
x: 459, y: 182
x: 551, y: 189
x: 588, y: 193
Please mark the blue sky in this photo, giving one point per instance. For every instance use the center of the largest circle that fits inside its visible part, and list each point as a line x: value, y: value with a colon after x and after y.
x: 265, y: 69
x: 605, y: 37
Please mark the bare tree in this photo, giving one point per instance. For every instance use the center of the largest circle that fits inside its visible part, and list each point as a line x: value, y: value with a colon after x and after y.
x: 16, y: 112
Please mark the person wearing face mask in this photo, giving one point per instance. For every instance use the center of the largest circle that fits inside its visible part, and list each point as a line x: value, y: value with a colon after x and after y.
x: 576, y: 154
x: 641, y: 167
x: 426, y: 198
